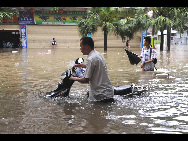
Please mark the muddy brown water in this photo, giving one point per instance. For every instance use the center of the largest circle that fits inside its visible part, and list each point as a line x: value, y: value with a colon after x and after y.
x: 163, y: 109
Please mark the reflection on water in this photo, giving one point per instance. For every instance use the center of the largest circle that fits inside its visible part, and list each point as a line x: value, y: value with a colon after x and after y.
x: 163, y: 109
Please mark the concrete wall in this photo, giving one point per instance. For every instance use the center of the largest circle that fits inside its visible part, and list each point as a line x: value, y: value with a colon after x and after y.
x: 68, y: 36
x: 115, y: 41
x: 10, y: 27
x: 40, y: 36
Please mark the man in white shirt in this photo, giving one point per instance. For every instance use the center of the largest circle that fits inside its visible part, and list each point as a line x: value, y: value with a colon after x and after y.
x: 96, y: 73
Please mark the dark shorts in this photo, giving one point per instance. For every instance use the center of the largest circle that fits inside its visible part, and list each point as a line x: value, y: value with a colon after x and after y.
x: 107, y: 100
x: 104, y: 100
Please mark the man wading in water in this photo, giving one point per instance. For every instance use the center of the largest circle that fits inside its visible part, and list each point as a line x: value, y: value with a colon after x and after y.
x: 96, y: 73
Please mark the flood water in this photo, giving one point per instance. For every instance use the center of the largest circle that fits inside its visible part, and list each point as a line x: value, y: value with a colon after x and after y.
x: 163, y: 109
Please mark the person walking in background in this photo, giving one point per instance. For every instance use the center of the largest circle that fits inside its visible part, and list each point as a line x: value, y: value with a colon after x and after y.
x: 20, y: 43
x: 127, y: 44
x: 53, y: 42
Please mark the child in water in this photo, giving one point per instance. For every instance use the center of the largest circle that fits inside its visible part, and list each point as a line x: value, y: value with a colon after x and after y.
x: 53, y: 42
x: 148, y: 55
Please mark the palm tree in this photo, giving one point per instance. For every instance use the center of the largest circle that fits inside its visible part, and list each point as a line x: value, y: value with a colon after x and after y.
x: 86, y: 26
x: 128, y: 26
x: 160, y: 23
x: 101, y: 16
x: 180, y: 19
x: 107, y: 15
x: 167, y: 18
x: 108, y: 19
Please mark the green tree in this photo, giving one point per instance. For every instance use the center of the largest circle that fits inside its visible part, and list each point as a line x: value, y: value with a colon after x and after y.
x: 103, y: 17
x: 180, y: 19
x: 167, y: 18
x: 129, y: 26
x: 109, y: 19
x: 87, y: 26
x: 160, y: 21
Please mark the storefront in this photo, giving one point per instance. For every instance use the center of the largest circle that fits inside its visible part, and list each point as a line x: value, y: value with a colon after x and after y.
x: 9, y: 38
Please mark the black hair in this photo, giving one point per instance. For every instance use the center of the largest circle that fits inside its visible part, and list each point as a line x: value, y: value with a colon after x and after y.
x: 147, y: 39
x: 87, y: 41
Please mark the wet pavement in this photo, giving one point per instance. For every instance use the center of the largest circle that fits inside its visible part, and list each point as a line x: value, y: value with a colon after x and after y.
x: 163, y: 109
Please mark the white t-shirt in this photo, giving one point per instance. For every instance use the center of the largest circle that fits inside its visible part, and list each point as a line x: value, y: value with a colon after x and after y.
x: 146, y: 56
x: 96, y: 70
x: 53, y: 42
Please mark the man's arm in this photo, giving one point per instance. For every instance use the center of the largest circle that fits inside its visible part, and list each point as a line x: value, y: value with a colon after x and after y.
x: 149, y: 61
x: 82, y: 80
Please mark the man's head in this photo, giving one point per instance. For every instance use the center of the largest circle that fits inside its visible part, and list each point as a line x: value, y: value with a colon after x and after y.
x: 86, y: 45
x: 147, y: 40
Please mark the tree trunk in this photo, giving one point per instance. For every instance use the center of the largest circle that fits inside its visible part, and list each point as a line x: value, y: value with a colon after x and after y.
x: 168, y: 37
x: 162, y: 41
x: 153, y: 30
x: 105, y: 40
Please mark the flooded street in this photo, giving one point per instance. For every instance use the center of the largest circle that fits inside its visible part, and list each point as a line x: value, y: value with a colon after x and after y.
x: 163, y: 109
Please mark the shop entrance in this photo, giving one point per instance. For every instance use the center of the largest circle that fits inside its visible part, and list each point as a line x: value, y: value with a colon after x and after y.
x: 9, y: 38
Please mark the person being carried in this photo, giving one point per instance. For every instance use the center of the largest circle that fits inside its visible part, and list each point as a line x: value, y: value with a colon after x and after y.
x: 96, y: 73
x: 148, y: 55
x: 127, y: 44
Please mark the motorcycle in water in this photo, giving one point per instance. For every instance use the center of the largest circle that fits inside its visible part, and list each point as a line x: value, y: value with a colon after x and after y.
x: 63, y: 87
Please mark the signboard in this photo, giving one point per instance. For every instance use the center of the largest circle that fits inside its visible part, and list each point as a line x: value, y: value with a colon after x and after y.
x: 12, y: 20
x: 59, y: 17
x: 23, y: 32
x: 26, y: 17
